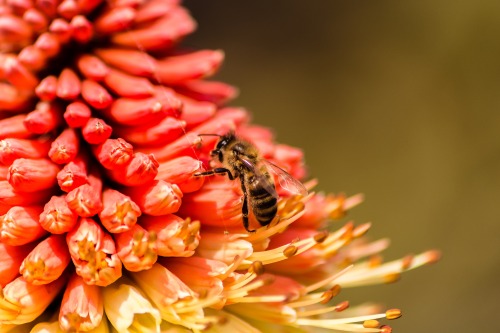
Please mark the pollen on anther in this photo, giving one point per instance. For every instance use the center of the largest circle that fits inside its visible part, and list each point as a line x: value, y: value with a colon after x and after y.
x: 257, y: 268
x: 290, y: 251
x: 372, y: 323
x: 393, y: 314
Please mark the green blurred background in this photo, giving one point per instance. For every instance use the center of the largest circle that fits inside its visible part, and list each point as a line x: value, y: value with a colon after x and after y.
x: 398, y: 100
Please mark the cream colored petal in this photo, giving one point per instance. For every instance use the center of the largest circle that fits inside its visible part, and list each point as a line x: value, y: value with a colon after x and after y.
x: 129, y: 310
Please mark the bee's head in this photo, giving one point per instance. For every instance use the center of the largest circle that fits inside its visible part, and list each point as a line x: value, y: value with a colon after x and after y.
x: 224, y: 140
x: 221, y: 145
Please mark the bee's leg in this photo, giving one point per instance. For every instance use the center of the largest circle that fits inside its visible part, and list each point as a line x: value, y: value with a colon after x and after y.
x: 244, y: 208
x: 216, y: 171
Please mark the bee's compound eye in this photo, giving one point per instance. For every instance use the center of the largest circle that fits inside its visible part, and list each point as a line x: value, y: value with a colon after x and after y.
x: 221, y: 156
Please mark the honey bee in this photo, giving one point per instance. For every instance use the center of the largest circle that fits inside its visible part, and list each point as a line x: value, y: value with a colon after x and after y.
x: 240, y: 159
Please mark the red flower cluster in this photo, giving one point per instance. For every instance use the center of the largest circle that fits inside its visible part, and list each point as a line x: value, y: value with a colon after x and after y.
x: 100, y: 202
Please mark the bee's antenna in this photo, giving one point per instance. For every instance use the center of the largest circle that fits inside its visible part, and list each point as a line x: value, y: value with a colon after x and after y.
x: 207, y: 134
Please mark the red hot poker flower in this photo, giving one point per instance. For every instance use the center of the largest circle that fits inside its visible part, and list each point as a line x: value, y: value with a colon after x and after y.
x: 101, y: 113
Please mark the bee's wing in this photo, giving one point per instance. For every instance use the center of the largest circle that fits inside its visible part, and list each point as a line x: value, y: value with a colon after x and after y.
x: 263, y: 180
x: 286, y: 181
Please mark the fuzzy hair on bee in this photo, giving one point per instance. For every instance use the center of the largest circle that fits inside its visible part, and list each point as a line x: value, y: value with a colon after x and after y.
x: 240, y: 159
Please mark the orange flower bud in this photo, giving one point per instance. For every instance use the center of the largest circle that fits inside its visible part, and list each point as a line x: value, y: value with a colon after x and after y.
x: 45, y: 118
x: 68, y: 85
x: 115, y: 19
x: 35, y: 18
x: 140, y: 170
x: 94, y: 94
x: 132, y: 111
x: 132, y: 61
x: 202, y: 275
x: 48, y: 43
x: 82, y: 29
x: 15, y: 72
x: 126, y: 85
x: 65, y: 147
x: 61, y: 29
x: 93, y: 253
x: 219, y: 207
x: 96, y: 131
x: 13, y: 99
x: 12, y: 149
x: 73, y: 174
x: 92, y: 67
x: 195, y: 112
x: 9, y: 197
x: 119, y: 212
x: 210, y: 91
x: 23, y: 302
x: 47, y: 261
x: 13, y: 128
x: 156, y: 198
x: 77, y: 114
x: 136, y: 248
x: 114, y: 153
x: 81, y: 306
x: 57, y: 217
x: 86, y: 199
x: 27, y: 175
x: 189, y: 66
x: 176, y: 237
x: 162, y: 34
x: 185, y: 145
x: 47, y: 88
x: 11, y: 258
x: 181, y: 171
x: 20, y: 225
x: 163, y: 132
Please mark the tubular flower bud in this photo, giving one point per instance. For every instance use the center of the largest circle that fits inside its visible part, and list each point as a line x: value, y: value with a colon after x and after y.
x: 176, y: 237
x: 156, y: 198
x: 96, y: 131
x: 137, y: 248
x: 73, y: 174
x: 107, y: 129
x: 10, y: 197
x: 126, y: 85
x: 20, y: 225
x: 86, y: 199
x: 57, y: 217
x: 27, y: 175
x: 22, y: 302
x: 114, y: 153
x: 68, y: 85
x: 119, y: 212
x: 165, y: 131
x: 181, y: 172
x: 11, y: 258
x: 47, y: 88
x: 131, y: 111
x: 129, y: 310
x: 47, y: 261
x: 45, y: 118
x: 12, y: 149
x: 140, y: 170
x: 77, y: 114
x: 65, y: 147
x: 13, y: 128
x: 81, y: 306
x: 93, y: 253
x: 177, y: 303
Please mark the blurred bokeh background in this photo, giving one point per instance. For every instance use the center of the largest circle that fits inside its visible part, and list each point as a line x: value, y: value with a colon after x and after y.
x: 399, y: 100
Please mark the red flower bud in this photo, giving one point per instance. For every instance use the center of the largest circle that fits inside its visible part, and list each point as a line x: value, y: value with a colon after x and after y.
x: 27, y: 175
